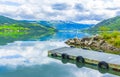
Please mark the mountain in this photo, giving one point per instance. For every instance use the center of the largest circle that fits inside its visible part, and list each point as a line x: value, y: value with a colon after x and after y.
x: 111, y: 23
x: 5, y: 21
x: 63, y: 25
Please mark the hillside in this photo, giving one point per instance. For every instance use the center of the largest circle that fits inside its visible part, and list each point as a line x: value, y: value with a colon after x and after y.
x: 112, y: 24
x: 5, y: 21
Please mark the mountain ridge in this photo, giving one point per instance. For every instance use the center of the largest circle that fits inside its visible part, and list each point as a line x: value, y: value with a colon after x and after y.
x: 63, y: 25
x: 111, y: 23
x: 33, y: 26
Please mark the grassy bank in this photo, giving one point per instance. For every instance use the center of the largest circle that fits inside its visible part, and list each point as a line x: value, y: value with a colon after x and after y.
x: 12, y: 28
x: 112, y: 37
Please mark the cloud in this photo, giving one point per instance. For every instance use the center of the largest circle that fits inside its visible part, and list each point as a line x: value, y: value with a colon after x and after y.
x: 89, y: 17
x: 116, y: 8
x: 60, y: 6
x: 60, y: 9
x: 118, y: 13
x: 10, y: 3
x: 79, y: 7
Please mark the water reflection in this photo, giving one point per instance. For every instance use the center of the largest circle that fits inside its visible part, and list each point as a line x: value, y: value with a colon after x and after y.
x: 81, y: 65
x: 4, y: 39
x: 50, y: 70
x: 38, y: 36
x: 29, y: 58
x: 64, y: 36
x: 27, y: 52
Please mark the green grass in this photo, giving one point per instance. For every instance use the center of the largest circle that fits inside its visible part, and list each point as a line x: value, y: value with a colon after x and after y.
x: 12, y: 28
x: 112, y: 37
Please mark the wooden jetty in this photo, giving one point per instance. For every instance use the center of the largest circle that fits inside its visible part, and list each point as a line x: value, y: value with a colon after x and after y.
x: 102, y: 61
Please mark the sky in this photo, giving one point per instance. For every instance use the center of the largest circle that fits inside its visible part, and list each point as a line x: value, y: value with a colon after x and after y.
x: 82, y: 11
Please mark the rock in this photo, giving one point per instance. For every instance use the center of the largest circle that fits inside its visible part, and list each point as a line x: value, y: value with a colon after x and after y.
x: 70, y: 41
x: 77, y: 41
x: 93, y: 42
x: 104, y: 46
x: 90, y: 42
x: 101, y: 42
x: 85, y: 39
x: 86, y: 42
x: 97, y: 37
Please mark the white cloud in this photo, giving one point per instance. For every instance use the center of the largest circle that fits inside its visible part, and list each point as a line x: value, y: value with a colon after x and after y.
x: 44, y: 10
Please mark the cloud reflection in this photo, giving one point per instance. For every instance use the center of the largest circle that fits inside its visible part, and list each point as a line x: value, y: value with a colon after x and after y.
x: 27, y: 53
x: 34, y: 54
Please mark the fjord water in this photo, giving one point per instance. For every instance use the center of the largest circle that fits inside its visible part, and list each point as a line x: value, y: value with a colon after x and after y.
x: 29, y: 58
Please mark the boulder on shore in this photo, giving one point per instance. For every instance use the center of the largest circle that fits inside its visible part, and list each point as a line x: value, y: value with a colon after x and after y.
x: 95, y: 43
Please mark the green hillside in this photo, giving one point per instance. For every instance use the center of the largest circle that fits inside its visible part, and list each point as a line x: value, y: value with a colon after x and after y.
x: 10, y: 23
x: 112, y: 24
x: 6, y: 20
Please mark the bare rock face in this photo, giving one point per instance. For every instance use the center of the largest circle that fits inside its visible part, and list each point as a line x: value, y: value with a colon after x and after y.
x: 70, y: 41
x: 94, y: 42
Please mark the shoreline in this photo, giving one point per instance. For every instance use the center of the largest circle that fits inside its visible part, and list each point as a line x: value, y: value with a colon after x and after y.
x: 96, y: 43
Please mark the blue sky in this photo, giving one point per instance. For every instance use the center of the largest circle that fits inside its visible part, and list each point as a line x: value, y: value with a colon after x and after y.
x: 82, y: 11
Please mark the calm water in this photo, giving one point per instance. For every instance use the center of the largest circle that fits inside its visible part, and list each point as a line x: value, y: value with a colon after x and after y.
x: 29, y: 59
